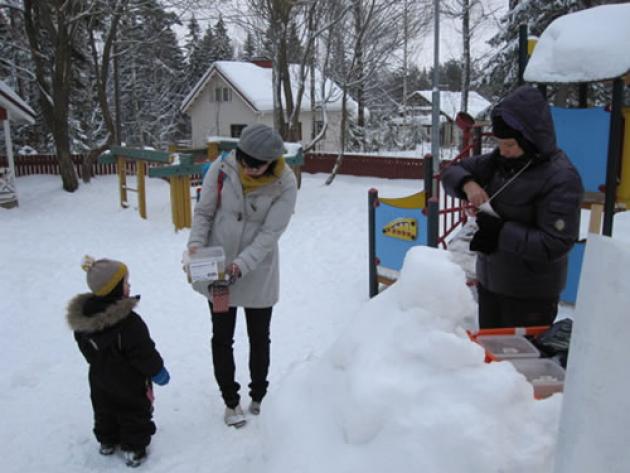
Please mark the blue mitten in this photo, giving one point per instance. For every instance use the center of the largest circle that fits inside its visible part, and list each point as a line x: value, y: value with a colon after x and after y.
x: 162, y: 377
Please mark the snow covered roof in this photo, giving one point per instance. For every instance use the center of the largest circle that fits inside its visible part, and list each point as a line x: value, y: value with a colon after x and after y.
x: 585, y: 46
x: 450, y: 102
x: 253, y: 83
x: 17, y: 108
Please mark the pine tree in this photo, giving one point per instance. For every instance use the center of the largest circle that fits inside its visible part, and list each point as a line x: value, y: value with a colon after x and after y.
x: 249, y: 47
x: 192, y: 37
x: 152, y: 81
x: 222, y: 48
x: 201, y: 58
x: 15, y: 70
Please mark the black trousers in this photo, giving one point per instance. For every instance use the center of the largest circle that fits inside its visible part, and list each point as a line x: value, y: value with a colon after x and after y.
x: 124, y: 421
x: 498, y: 311
x: 258, y: 331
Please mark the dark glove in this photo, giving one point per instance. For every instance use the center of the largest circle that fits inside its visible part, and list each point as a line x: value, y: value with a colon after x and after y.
x: 486, y: 239
x: 162, y: 377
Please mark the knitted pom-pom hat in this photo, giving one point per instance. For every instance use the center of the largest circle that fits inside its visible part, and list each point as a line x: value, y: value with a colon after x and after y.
x: 103, y: 275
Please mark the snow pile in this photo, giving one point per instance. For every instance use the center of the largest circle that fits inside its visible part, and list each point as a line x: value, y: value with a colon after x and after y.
x: 404, y: 389
x: 585, y: 46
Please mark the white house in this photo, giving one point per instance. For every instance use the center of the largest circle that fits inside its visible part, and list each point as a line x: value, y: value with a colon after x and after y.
x: 233, y: 94
x: 420, y: 109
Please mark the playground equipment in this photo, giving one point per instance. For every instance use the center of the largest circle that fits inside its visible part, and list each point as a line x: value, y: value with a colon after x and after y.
x: 178, y: 169
x: 596, y: 140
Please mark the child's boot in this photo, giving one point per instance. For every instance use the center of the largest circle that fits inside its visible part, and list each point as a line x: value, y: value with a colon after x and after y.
x: 107, y: 449
x: 134, y: 458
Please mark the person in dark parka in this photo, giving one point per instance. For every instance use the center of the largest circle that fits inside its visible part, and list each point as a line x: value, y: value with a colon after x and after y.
x: 123, y: 360
x: 536, y: 192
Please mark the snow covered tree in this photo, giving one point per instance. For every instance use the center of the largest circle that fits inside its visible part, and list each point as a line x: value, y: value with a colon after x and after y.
x: 193, y: 36
x: 16, y: 70
x: 222, y: 48
x: 151, y: 76
x: 249, y: 47
x: 201, y: 57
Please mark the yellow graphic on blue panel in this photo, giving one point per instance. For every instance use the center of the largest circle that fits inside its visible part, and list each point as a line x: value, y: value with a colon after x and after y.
x: 402, y: 228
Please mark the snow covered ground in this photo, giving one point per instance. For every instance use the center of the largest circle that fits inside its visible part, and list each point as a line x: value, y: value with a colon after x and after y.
x: 357, y: 385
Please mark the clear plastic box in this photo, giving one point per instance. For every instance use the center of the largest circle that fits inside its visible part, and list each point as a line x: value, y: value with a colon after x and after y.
x: 504, y: 347
x: 545, y: 375
x: 207, y: 264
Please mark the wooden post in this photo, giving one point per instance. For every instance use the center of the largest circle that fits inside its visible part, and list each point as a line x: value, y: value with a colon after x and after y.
x: 122, y: 180
x: 187, y: 207
x: 141, y: 167
x: 174, y: 207
x: 595, y: 221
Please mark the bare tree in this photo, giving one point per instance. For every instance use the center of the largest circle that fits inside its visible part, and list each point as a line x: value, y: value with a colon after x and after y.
x: 105, y: 22
x: 51, y: 27
x: 472, y: 14
x: 377, y: 28
x: 277, y: 21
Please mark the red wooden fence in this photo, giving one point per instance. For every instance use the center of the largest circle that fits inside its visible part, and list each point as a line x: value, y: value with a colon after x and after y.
x: 365, y: 165
x: 354, y: 165
x: 47, y: 164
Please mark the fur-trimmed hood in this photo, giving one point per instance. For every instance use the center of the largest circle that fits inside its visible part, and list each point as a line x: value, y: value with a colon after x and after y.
x: 110, y: 316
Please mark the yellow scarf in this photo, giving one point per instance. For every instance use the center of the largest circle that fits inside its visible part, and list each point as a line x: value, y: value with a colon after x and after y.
x: 251, y: 183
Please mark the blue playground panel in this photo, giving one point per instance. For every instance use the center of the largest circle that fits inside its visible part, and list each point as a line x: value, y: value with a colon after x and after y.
x: 391, y: 251
x: 576, y: 256
x: 583, y: 135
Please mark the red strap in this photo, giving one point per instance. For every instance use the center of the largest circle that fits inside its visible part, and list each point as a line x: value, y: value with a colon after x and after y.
x: 220, y: 179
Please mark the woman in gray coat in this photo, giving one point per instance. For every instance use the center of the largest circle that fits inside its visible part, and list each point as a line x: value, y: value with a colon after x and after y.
x: 246, y: 202
x: 536, y: 193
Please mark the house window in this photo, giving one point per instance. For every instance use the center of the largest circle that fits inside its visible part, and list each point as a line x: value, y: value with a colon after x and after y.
x: 236, y: 130
x: 222, y: 94
x: 318, y: 126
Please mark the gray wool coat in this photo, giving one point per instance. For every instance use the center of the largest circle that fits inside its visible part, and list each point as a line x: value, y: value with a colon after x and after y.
x: 541, y: 207
x: 248, y: 227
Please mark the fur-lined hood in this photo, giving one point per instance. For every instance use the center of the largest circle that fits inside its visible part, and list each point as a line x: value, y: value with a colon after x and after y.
x: 114, y: 313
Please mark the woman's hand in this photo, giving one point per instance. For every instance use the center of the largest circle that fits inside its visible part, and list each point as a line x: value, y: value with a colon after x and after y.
x: 475, y: 193
x: 233, y: 272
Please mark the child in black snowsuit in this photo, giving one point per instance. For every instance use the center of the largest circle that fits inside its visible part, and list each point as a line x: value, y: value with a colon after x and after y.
x: 122, y: 357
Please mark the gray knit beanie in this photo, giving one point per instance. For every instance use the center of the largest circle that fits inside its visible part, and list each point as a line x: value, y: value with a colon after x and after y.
x: 261, y: 142
x: 103, y: 275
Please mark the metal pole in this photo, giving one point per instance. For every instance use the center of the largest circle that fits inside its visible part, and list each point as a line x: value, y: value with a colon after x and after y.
x: 435, y: 96
x: 523, y: 55
x: 614, y: 154
x: 432, y: 217
x: 373, y: 277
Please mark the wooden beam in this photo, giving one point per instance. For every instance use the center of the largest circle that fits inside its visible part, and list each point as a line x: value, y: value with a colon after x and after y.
x: 142, y: 200
x: 144, y: 154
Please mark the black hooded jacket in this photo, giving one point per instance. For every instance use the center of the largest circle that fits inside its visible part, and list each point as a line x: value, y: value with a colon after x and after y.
x: 540, y: 208
x: 116, y: 343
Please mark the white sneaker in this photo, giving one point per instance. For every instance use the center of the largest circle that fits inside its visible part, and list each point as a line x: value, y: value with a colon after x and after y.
x: 234, y: 417
x: 254, y: 408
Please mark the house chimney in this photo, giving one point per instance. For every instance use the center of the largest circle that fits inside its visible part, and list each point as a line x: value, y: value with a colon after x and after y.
x: 261, y: 61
